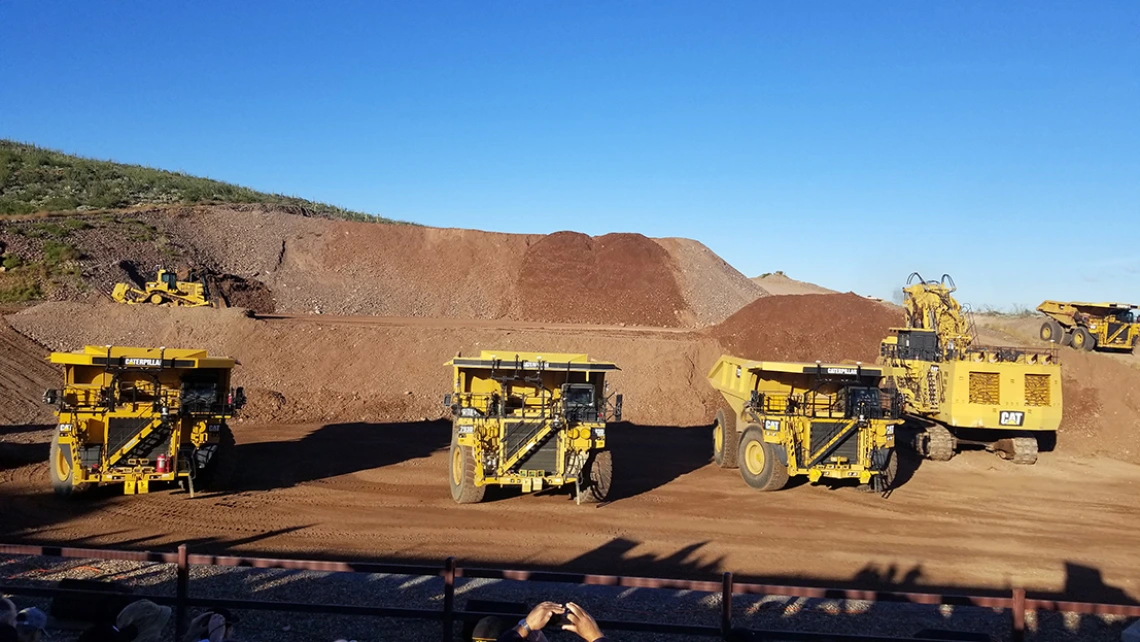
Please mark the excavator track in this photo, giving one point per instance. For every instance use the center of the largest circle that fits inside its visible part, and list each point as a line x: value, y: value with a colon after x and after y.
x: 1019, y: 450
x: 936, y: 442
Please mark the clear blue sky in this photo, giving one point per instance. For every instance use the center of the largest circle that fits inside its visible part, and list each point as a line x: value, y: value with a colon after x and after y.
x: 846, y: 143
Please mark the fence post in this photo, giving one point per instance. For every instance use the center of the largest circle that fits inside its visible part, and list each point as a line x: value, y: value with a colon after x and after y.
x: 448, y: 598
x: 1018, y: 615
x: 726, y: 606
x: 182, y: 591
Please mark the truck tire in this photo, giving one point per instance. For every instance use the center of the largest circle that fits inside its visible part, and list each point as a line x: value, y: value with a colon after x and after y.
x: 889, y: 470
x: 1082, y: 340
x: 760, y: 465
x: 60, y: 469
x: 599, y: 477
x: 1052, y: 331
x: 462, y: 473
x: 725, y: 439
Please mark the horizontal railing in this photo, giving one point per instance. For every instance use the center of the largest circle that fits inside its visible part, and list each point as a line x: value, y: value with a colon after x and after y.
x: 1017, y: 603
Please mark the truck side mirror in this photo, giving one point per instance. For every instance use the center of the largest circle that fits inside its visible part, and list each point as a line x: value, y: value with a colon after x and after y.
x: 239, y: 398
x: 617, y: 408
x: 51, y: 397
x: 447, y: 400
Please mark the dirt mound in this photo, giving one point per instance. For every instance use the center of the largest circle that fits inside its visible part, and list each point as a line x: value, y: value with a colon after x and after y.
x: 569, y: 277
x: 24, y: 375
x: 713, y: 288
x: 269, y: 259
x: 827, y: 327
x: 1102, y: 407
x: 779, y: 284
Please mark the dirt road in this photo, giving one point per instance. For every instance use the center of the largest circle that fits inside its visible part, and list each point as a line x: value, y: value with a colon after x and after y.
x: 380, y: 490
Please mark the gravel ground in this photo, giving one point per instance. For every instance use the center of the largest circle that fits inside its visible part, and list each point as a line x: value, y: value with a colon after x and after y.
x: 647, y: 605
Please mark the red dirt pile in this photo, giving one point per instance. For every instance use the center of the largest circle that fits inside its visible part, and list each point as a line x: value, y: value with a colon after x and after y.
x: 807, y: 327
x: 569, y: 277
x: 24, y: 375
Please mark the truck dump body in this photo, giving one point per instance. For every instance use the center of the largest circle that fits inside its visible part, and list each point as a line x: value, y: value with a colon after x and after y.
x: 531, y: 420
x: 818, y: 420
x: 136, y: 415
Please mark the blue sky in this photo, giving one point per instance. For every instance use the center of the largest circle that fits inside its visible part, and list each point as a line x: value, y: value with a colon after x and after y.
x: 844, y: 143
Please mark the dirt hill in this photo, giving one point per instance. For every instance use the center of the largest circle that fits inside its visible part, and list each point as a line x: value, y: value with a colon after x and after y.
x: 280, y: 261
x: 778, y: 283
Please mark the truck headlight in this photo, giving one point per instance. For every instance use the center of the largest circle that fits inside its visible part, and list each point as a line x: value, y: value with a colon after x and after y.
x: 600, y: 433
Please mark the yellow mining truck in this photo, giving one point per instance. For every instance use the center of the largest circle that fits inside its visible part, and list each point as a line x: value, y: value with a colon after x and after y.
x: 133, y: 416
x: 165, y: 289
x: 1090, y: 326
x: 819, y: 420
x: 531, y: 420
x: 960, y: 393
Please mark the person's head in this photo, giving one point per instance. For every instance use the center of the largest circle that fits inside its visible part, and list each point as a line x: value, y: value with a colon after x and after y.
x: 148, y: 618
x: 489, y: 629
x: 7, y: 612
x: 215, y: 624
x: 30, y: 624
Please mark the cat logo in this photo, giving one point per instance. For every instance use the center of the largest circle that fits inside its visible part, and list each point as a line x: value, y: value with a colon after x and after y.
x: 771, y: 424
x: 1011, y: 418
x: 143, y: 362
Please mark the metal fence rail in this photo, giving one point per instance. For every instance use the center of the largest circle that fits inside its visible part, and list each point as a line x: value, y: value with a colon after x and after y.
x: 1016, y: 604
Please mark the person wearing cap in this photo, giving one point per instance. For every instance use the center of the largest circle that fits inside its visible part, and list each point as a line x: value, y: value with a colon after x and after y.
x: 7, y: 612
x: 30, y: 625
x: 215, y: 625
x: 147, y: 618
x: 8, y: 621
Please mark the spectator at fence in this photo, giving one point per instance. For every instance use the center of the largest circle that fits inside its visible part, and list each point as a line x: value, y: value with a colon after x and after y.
x: 146, y: 617
x: 579, y: 621
x: 30, y: 625
x: 7, y: 612
x: 215, y: 625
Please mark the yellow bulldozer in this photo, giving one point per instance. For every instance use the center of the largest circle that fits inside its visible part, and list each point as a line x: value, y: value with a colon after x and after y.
x: 1090, y: 326
x: 533, y: 421
x: 812, y: 419
x: 133, y: 416
x: 959, y: 393
x: 165, y: 289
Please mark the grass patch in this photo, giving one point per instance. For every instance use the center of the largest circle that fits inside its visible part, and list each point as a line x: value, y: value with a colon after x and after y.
x: 33, y: 179
x: 19, y: 290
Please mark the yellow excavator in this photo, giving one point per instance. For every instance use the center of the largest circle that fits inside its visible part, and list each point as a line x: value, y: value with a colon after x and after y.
x: 961, y: 393
x: 165, y: 289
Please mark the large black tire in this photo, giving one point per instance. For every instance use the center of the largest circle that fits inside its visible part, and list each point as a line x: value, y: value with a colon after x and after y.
x: 1082, y: 340
x: 725, y: 439
x: 598, y: 477
x: 889, y: 470
x: 461, y: 473
x: 218, y: 473
x: 1052, y: 331
x: 60, y: 469
x: 760, y: 465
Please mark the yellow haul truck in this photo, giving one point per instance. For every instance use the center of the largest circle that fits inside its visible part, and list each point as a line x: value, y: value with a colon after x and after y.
x: 1090, y: 326
x: 133, y: 416
x: 819, y: 420
x: 532, y: 420
x: 960, y: 393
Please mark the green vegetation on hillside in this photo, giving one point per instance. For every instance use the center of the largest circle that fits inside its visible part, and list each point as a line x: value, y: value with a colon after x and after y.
x: 41, y: 180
